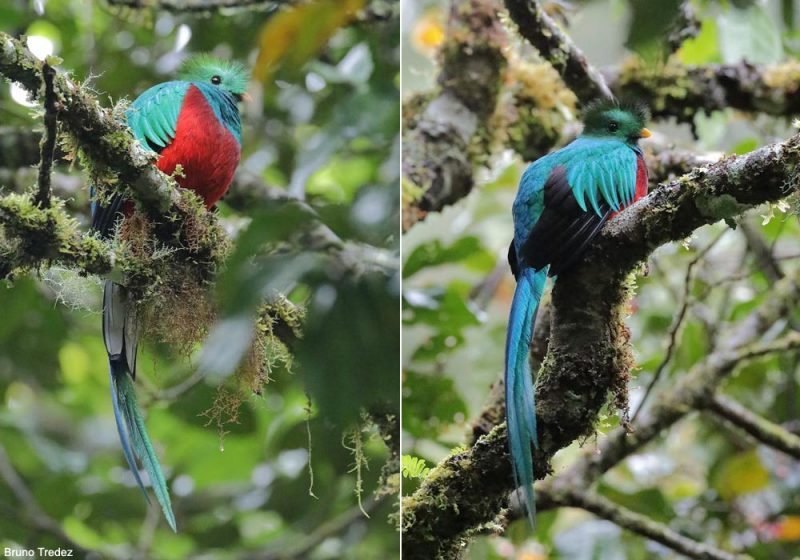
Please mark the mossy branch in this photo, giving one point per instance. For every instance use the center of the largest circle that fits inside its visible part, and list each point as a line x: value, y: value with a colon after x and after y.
x: 103, y: 138
x: 675, y: 90
x: 558, y: 49
x: 48, y: 143
x: 30, y: 235
x: 439, y: 149
x: 376, y: 10
x: 443, y: 141
x: 588, y: 352
x: 695, y: 389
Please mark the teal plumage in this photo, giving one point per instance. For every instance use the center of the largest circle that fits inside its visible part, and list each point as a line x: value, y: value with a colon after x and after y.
x: 562, y: 203
x: 153, y: 116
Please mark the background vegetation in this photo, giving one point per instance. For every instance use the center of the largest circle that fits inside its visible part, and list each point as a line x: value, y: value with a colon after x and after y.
x: 705, y: 477
x: 286, y: 465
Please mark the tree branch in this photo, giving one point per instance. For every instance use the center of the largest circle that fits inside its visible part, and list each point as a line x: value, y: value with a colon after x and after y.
x: 376, y: 10
x: 693, y: 391
x: 632, y: 521
x: 556, y: 48
x: 48, y: 144
x: 438, y: 150
x: 761, y: 429
x: 108, y: 142
x: 679, y: 91
x: 33, y: 235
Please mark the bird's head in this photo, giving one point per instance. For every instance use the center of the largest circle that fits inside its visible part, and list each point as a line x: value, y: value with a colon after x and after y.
x: 228, y: 76
x: 610, y: 119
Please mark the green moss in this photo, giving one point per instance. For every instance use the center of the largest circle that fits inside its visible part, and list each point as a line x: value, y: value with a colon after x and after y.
x: 35, y: 235
x: 719, y: 207
x: 669, y: 89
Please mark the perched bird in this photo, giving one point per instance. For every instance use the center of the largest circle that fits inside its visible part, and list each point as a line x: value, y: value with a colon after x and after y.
x: 192, y: 122
x: 562, y: 203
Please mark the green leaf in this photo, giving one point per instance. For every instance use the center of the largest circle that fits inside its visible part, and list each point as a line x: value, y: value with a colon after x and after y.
x: 749, y: 34
x: 430, y: 402
x: 414, y: 467
x: 649, y: 25
x: 350, y: 350
x: 704, y: 48
x: 435, y: 253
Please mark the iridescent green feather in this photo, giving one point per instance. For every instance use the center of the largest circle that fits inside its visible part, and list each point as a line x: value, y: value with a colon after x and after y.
x: 202, y: 68
x: 153, y: 117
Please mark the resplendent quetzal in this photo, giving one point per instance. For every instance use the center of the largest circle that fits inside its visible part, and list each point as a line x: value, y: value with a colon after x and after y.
x: 562, y: 203
x: 193, y: 122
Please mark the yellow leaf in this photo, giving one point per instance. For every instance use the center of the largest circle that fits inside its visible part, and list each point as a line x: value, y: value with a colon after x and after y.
x: 789, y: 528
x: 294, y: 36
x: 741, y: 474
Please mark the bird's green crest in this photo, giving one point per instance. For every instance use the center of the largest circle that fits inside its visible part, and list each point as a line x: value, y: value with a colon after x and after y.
x: 229, y: 76
x: 625, y: 121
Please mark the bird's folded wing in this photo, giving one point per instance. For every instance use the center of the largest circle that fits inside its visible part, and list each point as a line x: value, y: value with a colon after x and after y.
x: 153, y: 117
x: 577, y: 202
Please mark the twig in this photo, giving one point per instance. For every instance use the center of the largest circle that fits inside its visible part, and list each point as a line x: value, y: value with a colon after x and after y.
x: 686, y: 26
x: 558, y: 49
x: 678, y: 321
x: 763, y: 430
x: 48, y: 143
x: 695, y: 389
x: 634, y: 522
x: 328, y: 529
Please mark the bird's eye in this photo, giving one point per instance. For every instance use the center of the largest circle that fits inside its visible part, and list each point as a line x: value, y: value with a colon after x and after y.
x: 613, y: 126
x: 216, y: 80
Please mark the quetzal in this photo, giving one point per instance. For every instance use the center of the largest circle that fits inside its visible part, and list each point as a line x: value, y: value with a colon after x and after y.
x: 562, y: 203
x: 193, y: 122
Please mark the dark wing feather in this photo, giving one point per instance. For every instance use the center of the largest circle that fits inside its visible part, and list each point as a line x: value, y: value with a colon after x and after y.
x: 105, y: 216
x: 564, y: 230
x: 512, y: 260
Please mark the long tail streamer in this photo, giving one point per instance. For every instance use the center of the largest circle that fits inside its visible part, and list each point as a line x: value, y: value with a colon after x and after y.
x: 134, y: 438
x: 520, y: 397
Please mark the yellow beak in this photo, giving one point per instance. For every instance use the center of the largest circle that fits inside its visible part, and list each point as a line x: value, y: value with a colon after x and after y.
x: 645, y: 133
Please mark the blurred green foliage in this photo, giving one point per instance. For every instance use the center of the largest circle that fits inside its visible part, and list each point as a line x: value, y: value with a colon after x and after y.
x: 701, y: 477
x: 239, y: 466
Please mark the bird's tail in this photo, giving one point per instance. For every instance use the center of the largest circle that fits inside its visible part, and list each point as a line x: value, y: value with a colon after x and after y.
x: 130, y: 423
x: 520, y: 404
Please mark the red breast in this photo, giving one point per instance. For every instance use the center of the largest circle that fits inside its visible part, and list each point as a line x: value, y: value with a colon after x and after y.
x: 641, y: 185
x: 641, y: 179
x: 204, y: 147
